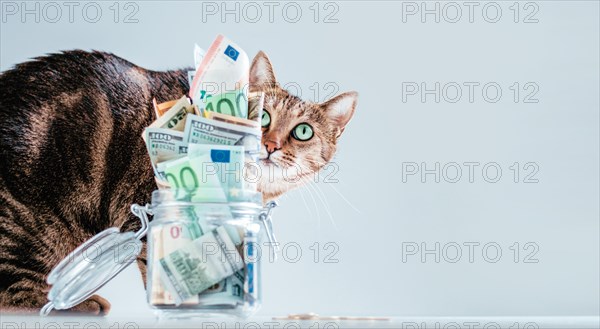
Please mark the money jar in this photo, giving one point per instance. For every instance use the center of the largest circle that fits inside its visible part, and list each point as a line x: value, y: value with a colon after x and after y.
x: 204, y: 258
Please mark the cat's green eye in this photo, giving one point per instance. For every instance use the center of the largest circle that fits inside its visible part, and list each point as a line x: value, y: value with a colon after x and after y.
x: 265, y: 121
x: 303, y: 132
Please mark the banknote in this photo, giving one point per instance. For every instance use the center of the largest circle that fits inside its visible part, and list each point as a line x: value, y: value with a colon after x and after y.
x: 162, y: 108
x: 233, y: 103
x: 199, y: 130
x: 232, y: 119
x: 168, y: 238
x: 191, y: 75
x: 198, y: 56
x: 174, y: 118
x: 158, y: 294
x: 218, y: 163
x: 179, y: 175
x: 221, y: 80
x: 241, y: 285
x: 251, y: 254
x: 227, y: 292
x: 210, y: 173
x: 190, y: 269
x: 171, y: 237
x: 163, y: 144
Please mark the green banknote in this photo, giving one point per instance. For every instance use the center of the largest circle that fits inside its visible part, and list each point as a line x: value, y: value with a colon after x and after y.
x: 209, y: 173
x: 192, y: 269
x: 233, y: 103
x: 225, y: 163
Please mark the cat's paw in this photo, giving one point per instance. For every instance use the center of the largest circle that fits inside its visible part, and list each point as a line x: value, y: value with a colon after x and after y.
x: 95, y: 305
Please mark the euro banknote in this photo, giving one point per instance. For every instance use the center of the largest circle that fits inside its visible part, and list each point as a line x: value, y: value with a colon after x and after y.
x: 221, y: 80
x: 199, y: 54
x: 209, y: 173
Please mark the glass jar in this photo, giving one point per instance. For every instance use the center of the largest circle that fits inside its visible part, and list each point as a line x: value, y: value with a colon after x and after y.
x: 204, y: 258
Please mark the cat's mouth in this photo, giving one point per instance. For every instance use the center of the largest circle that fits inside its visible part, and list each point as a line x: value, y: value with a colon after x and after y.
x: 268, y: 162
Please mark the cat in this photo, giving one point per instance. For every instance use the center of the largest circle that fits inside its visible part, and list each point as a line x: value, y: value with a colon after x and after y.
x: 72, y: 160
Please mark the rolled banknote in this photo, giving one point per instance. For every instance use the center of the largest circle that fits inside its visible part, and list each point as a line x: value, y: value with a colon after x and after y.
x: 221, y: 80
x: 227, y: 292
x: 158, y: 294
x: 198, y: 265
x: 241, y: 286
x: 231, y: 290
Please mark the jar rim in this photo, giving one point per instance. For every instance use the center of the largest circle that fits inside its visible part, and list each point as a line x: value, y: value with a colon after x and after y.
x: 212, y: 209
x: 181, y: 197
x: 244, y: 209
x: 175, y: 203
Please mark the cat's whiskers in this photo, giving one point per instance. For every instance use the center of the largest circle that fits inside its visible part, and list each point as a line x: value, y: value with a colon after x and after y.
x: 331, y: 186
x: 305, y: 179
x: 344, y: 198
x: 310, y: 213
x: 323, y: 200
x: 321, y: 164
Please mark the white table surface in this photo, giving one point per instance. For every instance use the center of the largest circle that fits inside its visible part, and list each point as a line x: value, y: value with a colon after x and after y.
x: 22, y: 321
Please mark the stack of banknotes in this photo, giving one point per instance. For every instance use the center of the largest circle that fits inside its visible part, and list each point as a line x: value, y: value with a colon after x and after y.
x: 203, y: 146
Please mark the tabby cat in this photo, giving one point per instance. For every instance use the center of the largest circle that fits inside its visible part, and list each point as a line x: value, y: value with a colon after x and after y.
x: 72, y: 160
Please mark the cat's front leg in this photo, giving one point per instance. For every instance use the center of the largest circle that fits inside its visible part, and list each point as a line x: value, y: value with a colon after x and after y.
x: 27, y: 296
x: 95, y: 305
x: 132, y: 224
x: 142, y: 261
x: 26, y: 257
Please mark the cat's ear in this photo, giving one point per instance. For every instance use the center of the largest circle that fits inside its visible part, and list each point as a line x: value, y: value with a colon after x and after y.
x: 340, y: 109
x: 261, y: 72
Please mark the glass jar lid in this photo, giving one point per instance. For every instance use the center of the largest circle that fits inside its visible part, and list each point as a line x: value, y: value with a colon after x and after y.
x: 90, y: 266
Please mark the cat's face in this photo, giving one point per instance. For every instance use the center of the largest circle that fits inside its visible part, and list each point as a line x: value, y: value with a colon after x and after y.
x: 299, y: 137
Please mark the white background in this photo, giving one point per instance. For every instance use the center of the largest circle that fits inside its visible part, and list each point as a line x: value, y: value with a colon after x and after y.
x: 371, y: 211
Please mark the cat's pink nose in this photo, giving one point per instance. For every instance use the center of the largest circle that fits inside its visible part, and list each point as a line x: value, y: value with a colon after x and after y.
x: 272, y: 146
